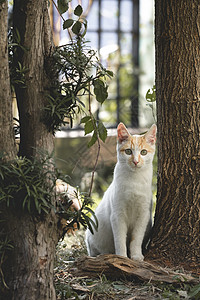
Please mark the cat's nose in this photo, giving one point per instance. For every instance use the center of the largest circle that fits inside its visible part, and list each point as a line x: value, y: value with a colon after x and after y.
x: 135, y: 162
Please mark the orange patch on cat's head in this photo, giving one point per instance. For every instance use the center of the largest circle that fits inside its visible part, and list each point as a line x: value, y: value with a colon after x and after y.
x: 145, y: 141
x: 144, y: 144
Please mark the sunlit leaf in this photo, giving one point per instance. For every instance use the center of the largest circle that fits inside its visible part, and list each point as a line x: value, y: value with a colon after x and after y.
x: 102, y: 131
x: 85, y: 119
x: 89, y: 127
x: 151, y: 94
x: 93, y: 139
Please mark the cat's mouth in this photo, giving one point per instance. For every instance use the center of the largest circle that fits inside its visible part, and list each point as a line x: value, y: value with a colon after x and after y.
x: 136, y: 166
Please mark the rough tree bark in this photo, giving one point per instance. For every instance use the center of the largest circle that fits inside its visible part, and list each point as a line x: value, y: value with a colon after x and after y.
x: 29, y: 266
x: 7, y: 141
x: 176, y: 239
x: 31, y: 20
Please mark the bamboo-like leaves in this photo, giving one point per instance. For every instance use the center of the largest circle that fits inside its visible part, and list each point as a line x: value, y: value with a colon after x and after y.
x: 27, y: 184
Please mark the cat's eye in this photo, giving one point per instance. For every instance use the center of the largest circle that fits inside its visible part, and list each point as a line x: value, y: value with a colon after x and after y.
x: 128, y: 151
x: 143, y: 152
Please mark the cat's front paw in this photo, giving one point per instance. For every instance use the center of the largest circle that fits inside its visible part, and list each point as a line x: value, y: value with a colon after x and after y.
x: 138, y: 257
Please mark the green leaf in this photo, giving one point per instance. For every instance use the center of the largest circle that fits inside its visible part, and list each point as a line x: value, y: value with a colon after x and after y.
x: 151, y: 94
x: 89, y: 127
x: 93, y: 140
x: 68, y: 23
x: 85, y: 119
x: 63, y: 6
x: 76, y: 27
x: 78, y: 10
x: 94, y: 216
x: 195, y: 292
x: 110, y: 73
x: 102, y: 131
x: 100, y: 90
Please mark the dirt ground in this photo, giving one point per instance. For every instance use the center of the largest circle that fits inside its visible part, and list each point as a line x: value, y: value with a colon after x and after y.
x: 69, y: 286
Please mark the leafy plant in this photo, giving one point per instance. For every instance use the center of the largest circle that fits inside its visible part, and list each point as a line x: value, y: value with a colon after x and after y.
x: 77, y: 69
x: 97, y: 127
x: 5, y: 246
x: 27, y: 184
x: 78, y: 73
x: 77, y: 217
x: 17, y: 71
x: 30, y: 185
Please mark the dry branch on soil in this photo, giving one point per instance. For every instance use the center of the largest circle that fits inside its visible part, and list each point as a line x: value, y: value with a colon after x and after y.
x: 115, y: 266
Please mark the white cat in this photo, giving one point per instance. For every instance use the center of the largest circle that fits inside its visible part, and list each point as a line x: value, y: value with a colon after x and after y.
x: 124, y: 214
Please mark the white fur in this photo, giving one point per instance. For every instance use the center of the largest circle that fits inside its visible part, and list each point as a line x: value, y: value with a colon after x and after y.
x: 124, y: 211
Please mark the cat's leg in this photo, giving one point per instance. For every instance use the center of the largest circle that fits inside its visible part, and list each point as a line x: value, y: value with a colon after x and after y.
x: 137, y: 237
x: 119, y: 229
x: 90, y: 244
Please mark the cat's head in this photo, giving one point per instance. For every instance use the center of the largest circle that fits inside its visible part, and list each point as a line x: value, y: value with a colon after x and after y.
x: 137, y: 151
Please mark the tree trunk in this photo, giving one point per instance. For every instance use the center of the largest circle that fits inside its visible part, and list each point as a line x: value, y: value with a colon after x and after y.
x: 7, y: 142
x: 31, y: 20
x: 177, y: 221
x: 28, y: 269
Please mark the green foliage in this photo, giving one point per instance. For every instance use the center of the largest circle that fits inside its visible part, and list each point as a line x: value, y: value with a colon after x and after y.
x: 68, y: 23
x: 97, y: 127
x: 27, y: 184
x: 17, y: 71
x: 195, y: 292
x: 100, y: 90
x: 77, y: 67
x: 78, y: 11
x: 63, y: 5
x: 151, y: 99
x: 76, y: 28
x: 5, y: 246
x: 151, y: 94
x: 77, y: 74
x: 78, y: 217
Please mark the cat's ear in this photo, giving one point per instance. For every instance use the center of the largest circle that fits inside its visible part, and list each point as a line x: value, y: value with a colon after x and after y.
x: 150, y: 136
x: 122, y: 133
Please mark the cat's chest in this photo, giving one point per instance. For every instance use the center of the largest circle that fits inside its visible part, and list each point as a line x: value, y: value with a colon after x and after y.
x: 131, y: 202
x: 131, y: 194
x: 131, y: 187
